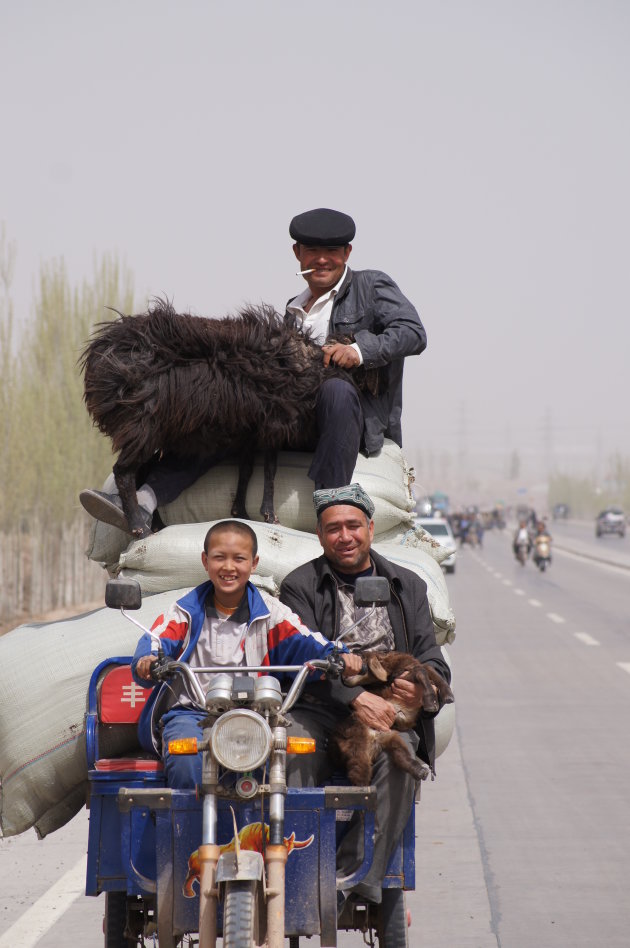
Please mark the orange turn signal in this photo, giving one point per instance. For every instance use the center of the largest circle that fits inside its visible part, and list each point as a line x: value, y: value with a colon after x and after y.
x: 183, y: 745
x: 300, y: 745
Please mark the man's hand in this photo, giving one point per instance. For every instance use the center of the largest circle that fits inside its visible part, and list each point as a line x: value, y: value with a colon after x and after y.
x: 346, y: 357
x: 374, y: 711
x: 411, y: 694
x: 143, y: 668
x: 429, y: 692
x: 353, y: 663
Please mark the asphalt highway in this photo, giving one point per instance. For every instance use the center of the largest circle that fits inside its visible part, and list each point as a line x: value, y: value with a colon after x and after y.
x: 524, y: 837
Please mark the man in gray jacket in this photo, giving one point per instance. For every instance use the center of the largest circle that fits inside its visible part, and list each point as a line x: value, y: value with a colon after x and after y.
x: 381, y: 327
x: 321, y: 593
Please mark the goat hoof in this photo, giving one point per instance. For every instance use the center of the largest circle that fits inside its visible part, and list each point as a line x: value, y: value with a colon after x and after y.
x: 420, y: 771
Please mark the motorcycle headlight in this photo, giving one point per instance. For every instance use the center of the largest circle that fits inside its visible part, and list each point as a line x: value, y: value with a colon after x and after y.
x: 241, y: 740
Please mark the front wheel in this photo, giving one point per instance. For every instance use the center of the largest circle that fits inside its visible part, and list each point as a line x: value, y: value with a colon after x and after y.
x: 392, y: 926
x: 240, y: 914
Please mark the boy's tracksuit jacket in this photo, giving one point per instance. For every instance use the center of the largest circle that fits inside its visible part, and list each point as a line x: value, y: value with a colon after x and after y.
x: 275, y: 636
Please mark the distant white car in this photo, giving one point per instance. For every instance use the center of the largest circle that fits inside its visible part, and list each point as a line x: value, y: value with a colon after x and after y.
x: 441, y: 530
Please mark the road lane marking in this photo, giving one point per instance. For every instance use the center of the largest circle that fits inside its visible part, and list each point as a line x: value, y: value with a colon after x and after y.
x: 518, y: 592
x: 594, y: 561
x: 27, y: 931
x: 625, y: 666
x: 534, y: 602
x: 555, y: 617
x: 507, y: 582
x: 497, y: 575
x: 586, y: 638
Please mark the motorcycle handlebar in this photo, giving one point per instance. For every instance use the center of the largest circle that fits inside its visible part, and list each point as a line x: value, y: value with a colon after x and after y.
x: 164, y: 669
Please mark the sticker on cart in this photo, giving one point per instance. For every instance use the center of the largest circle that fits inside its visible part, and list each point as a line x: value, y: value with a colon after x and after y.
x: 249, y: 837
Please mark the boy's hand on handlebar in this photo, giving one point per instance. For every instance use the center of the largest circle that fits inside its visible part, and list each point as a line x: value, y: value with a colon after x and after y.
x: 144, y: 665
x: 353, y: 664
x: 374, y: 711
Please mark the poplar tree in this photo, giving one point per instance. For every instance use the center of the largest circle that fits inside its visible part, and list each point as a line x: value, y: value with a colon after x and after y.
x: 50, y: 448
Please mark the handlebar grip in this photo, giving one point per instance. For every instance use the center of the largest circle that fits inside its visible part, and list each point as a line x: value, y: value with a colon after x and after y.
x: 335, y: 664
x: 160, y: 669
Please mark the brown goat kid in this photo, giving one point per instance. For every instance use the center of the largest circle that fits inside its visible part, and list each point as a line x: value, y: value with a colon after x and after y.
x: 355, y: 746
x: 162, y: 382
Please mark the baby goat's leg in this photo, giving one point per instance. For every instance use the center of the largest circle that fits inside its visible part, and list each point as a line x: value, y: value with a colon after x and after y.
x: 393, y: 744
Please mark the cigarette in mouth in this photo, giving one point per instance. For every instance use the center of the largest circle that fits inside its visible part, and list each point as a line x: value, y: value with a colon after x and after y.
x: 304, y: 272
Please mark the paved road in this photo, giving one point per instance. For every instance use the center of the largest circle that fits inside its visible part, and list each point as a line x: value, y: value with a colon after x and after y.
x: 543, y: 692
x: 524, y: 838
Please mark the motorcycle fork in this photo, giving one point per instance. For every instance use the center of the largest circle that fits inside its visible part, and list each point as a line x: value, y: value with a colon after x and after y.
x: 208, y: 854
x: 276, y: 851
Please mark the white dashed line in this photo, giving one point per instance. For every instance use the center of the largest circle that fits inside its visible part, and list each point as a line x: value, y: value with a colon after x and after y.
x: 534, y: 602
x: 498, y: 575
x: 625, y: 666
x: 518, y: 592
x: 586, y: 638
x: 555, y: 617
x: 42, y: 915
x: 507, y: 582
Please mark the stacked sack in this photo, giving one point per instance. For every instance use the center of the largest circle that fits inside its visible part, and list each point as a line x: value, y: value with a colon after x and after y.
x: 43, y: 768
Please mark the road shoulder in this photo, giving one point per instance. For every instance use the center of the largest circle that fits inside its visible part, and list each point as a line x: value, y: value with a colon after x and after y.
x: 450, y: 905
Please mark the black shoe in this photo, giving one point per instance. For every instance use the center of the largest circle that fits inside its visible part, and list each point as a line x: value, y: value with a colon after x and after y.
x: 108, y: 509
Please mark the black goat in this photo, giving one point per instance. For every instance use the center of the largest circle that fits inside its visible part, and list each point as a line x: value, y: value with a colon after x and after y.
x: 355, y: 746
x: 163, y: 382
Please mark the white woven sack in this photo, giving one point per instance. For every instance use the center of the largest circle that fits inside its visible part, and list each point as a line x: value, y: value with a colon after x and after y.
x: 418, y: 537
x: 172, y: 558
x: 444, y: 721
x: 424, y: 565
x: 386, y: 477
x: 44, y: 675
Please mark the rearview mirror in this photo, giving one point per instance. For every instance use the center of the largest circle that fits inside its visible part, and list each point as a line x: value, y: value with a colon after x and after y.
x: 371, y: 591
x: 123, y: 594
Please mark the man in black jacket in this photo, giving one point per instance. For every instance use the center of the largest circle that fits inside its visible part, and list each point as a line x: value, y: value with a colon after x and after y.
x: 321, y: 593
x: 366, y: 306
x: 382, y: 327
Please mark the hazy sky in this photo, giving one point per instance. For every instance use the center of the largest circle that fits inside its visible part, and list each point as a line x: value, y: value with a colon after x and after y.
x: 482, y: 148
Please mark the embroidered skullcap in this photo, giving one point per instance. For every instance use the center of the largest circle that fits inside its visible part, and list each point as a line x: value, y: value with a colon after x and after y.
x: 322, y: 227
x: 352, y: 495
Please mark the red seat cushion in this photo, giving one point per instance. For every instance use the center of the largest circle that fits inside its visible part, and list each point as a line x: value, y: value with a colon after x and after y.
x: 120, y: 699
x: 118, y: 764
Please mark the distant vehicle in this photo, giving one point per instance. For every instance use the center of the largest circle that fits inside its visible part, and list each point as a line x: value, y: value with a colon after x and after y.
x: 424, y: 507
x: 439, y: 502
x: 440, y: 529
x: 611, y: 520
x: 560, y: 511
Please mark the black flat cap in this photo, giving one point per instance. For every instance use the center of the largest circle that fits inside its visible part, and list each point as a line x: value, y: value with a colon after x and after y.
x: 322, y: 227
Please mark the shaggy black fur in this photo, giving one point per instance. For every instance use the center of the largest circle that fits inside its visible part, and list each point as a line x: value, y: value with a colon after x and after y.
x: 164, y: 382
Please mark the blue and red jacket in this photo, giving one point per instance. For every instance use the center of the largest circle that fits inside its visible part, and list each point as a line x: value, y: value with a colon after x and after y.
x: 275, y: 636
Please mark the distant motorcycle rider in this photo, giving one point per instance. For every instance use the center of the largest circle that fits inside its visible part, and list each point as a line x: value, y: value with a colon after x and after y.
x: 542, y: 539
x: 522, y: 538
